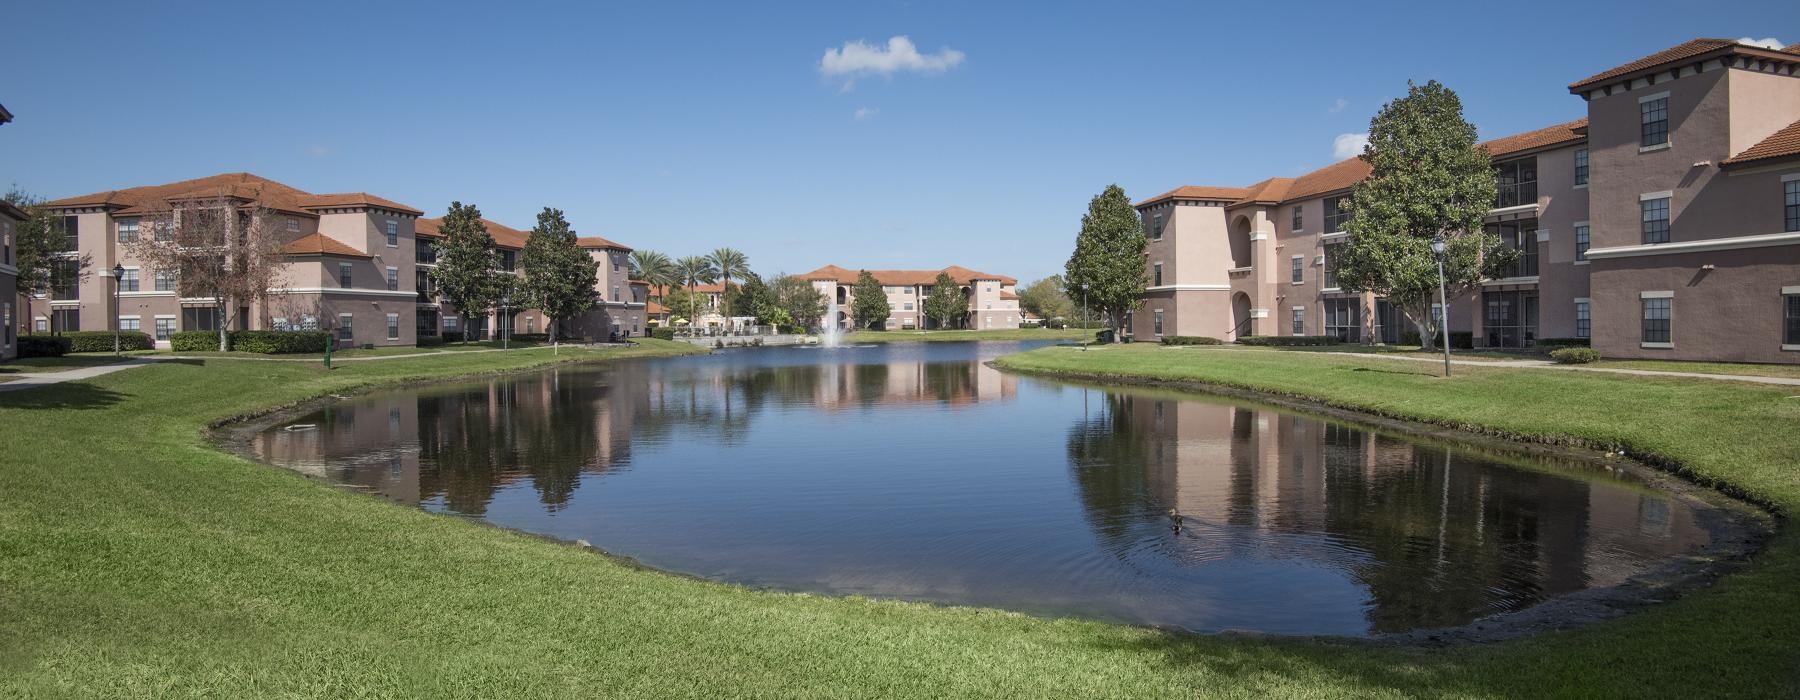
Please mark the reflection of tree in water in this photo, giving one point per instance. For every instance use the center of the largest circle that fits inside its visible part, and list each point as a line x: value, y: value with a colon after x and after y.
x: 461, y: 436
x: 950, y: 381
x: 1435, y: 539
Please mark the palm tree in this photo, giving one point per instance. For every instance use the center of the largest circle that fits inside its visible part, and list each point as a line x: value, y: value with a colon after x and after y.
x: 729, y: 263
x: 695, y: 270
x: 655, y: 268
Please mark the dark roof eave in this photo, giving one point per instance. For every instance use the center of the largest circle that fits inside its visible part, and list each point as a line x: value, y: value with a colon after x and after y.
x: 1757, y: 51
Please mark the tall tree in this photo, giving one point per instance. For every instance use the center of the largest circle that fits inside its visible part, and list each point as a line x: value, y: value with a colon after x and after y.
x: 1109, y: 258
x: 798, y: 299
x: 870, y: 306
x: 748, y: 294
x: 220, y: 248
x: 693, y: 271
x: 1428, y: 179
x: 465, y: 273
x: 729, y: 263
x: 560, y: 277
x: 655, y: 268
x: 946, y: 301
x: 1047, y: 298
x: 42, y: 253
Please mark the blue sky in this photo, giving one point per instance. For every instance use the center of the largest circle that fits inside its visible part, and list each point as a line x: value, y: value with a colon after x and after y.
x: 683, y: 127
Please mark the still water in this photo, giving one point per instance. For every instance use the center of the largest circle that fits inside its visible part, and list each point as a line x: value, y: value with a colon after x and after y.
x: 913, y: 471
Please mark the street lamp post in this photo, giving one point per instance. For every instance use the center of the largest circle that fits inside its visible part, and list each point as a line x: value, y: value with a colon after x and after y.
x: 1084, y: 311
x: 505, y: 322
x: 118, y: 282
x: 1437, y: 251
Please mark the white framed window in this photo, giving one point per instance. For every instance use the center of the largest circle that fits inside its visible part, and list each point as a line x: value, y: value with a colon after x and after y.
x: 128, y: 282
x: 346, y: 327
x: 293, y: 225
x: 344, y: 275
x: 279, y: 323
x: 1156, y: 275
x: 1583, y: 323
x: 393, y: 326
x: 1299, y: 320
x: 1156, y: 322
x: 1581, y: 241
x: 450, y: 323
x: 1654, y: 208
x: 1297, y: 272
x: 165, y: 281
x: 165, y: 327
x: 128, y: 230
x: 393, y: 279
x: 393, y: 234
x: 131, y: 323
x: 309, y: 322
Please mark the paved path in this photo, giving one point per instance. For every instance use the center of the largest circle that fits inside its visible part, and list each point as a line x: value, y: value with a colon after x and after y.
x: 1546, y: 364
x: 29, y: 381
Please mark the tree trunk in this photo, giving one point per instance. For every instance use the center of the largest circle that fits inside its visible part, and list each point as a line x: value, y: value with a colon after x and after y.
x: 219, y: 318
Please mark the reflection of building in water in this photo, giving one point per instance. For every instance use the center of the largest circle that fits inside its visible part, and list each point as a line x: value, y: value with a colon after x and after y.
x: 954, y: 383
x: 1430, y: 533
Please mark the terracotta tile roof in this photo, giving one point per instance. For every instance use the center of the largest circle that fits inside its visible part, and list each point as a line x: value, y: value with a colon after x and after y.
x: 962, y: 275
x: 1691, y: 49
x: 707, y: 288
x: 637, y: 283
x: 319, y: 244
x: 504, y: 236
x: 245, y: 186
x: 1269, y: 191
x: 1564, y: 133
x: 655, y: 309
x: 598, y: 242
x: 1198, y: 192
x: 1008, y: 295
x: 1781, y: 144
x: 1341, y: 175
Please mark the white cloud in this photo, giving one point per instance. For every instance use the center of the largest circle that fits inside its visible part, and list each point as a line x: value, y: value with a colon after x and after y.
x: 865, y: 113
x: 318, y: 150
x: 1349, y: 145
x: 1339, y: 105
x: 1766, y: 42
x: 858, y: 58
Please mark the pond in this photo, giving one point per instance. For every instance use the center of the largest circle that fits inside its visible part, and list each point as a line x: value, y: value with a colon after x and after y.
x: 914, y: 471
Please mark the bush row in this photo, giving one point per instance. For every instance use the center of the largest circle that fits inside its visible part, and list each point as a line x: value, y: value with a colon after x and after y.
x: 264, y: 342
x: 43, y: 345
x: 93, y: 341
x: 662, y: 333
x: 1575, y: 355
x: 1190, y: 340
x: 1563, y: 342
x: 1288, y: 340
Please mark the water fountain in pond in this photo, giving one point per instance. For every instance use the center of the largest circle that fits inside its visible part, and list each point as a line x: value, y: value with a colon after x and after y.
x: 830, y: 336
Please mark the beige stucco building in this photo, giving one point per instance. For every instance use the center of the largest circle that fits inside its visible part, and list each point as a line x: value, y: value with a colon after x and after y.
x: 993, y: 299
x: 1681, y: 187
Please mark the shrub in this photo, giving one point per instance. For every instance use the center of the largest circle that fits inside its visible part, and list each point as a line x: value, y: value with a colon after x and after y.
x: 531, y: 337
x: 194, y: 341
x: 1190, y: 340
x: 451, y: 337
x: 102, y: 341
x: 430, y: 341
x: 662, y: 333
x: 1552, y: 343
x: 43, y: 345
x: 1464, y: 340
x: 1574, y: 355
x: 1410, y: 338
x: 280, y: 342
x: 1289, y: 340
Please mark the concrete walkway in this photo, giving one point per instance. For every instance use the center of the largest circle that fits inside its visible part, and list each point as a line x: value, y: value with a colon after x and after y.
x: 31, y: 381
x: 1546, y: 364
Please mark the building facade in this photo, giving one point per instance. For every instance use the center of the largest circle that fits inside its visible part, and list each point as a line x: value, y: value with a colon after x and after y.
x: 10, y: 219
x: 1683, y: 182
x: 993, y: 299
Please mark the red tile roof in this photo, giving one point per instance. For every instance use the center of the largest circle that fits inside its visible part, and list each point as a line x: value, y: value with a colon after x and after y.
x: 1560, y: 134
x: 1198, y: 192
x: 352, y: 199
x: 655, y: 309
x: 1693, y: 49
x: 244, y: 186
x: 1781, y: 144
x: 1270, y: 191
x: 504, y: 236
x: 1341, y: 175
x: 319, y: 244
x: 962, y: 275
x: 598, y: 242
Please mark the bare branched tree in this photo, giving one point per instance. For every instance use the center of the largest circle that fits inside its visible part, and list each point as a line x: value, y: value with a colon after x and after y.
x: 226, y: 247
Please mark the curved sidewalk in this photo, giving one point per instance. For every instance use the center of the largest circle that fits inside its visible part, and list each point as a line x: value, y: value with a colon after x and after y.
x: 32, y: 381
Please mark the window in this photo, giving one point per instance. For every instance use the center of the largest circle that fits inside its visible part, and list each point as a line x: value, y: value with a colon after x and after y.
x: 1337, y: 213
x: 1156, y: 227
x: 41, y: 325
x: 1581, y: 166
x: 422, y: 284
x: 1298, y: 220
x: 280, y: 323
x: 293, y: 225
x: 1793, y: 203
x: 1511, y: 320
x: 530, y: 325
x: 1583, y: 325
x: 1517, y: 181
x: 1297, y: 272
x: 1156, y: 322
x: 506, y: 260
x: 199, y: 318
x: 393, y: 321
x: 393, y: 279
x: 1791, y: 317
x: 1581, y: 241
x: 345, y: 324
x: 65, y: 279
x: 450, y: 323
x: 165, y: 327
x: 425, y: 323
x: 128, y: 230
x: 165, y: 281
x: 344, y: 275
x: 131, y: 323
x: 393, y: 234
x: 1343, y: 319
x: 1331, y: 281
x: 1299, y: 320
x: 128, y: 282
x: 1156, y: 275
x: 1519, y: 235
x: 165, y: 232
x: 71, y: 233
x: 906, y: 307
x: 1654, y: 122
x: 424, y: 252
x: 1656, y: 219
x: 1656, y: 319
x: 615, y: 296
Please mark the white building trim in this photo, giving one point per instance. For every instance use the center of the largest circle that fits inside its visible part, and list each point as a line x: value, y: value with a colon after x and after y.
x: 1735, y: 243
x: 1665, y: 294
x: 1190, y: 288
x: 345, y: 290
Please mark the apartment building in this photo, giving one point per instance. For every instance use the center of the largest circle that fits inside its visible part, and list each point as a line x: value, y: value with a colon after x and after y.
x: 10, y: 219
x: 1682, y: 182
x: 993, y: 299
x: 356, y: 264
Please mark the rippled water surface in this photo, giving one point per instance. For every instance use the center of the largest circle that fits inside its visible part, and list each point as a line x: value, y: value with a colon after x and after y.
x: 913, y: 471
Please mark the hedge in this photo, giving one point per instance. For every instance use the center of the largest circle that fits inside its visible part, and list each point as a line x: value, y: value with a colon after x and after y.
x: 280, y: 342
x: 1289, y: 340
x: 1575, y: 355
x: 1563, y: 342
x: 662, y: 333
x: 430, y: 341
x: 1190, y: 340
x: 1464, y: 340
x: 99, y: 341
x: 43, y: 345
x: 194, y: 341
x: 530, y: 337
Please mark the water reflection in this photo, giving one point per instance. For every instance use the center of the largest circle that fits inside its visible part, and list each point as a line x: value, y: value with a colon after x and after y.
x: 918, y: 472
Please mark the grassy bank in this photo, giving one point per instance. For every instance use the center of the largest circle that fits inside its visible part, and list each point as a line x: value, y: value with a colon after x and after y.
x: 960, y: 335
x: 135, y: 560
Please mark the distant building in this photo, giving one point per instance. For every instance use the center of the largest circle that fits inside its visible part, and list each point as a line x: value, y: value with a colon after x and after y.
x: 993, y: 299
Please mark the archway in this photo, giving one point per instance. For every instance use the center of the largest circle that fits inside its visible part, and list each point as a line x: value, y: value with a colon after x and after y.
x: 1240, y: 317
x: 843, y: 294
x: 1240, y: 242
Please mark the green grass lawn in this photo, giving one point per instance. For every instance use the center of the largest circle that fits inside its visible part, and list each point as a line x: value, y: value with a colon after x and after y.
x: 137, y: 560
x: 1740, y: 368
x: 39, y: 365
x: 955, y: 335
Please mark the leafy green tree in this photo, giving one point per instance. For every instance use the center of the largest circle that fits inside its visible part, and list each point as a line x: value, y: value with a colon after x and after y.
x: 1047, y: 299
x: 946, y: 302
x: 38, y: 252
x: 798, y: 299
x: 870, y: 306
x: 655, y: 268
x: 560, y: 278
x: 465, y: 273
x: 695, y: 270
x: 1428, y: 179
x: 745, y: 298
x: 729, y: 264
x: 1109, y: 258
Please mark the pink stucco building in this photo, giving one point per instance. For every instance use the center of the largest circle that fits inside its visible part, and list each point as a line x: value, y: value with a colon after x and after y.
x: 993, y: 298
x: 1664, y: 224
